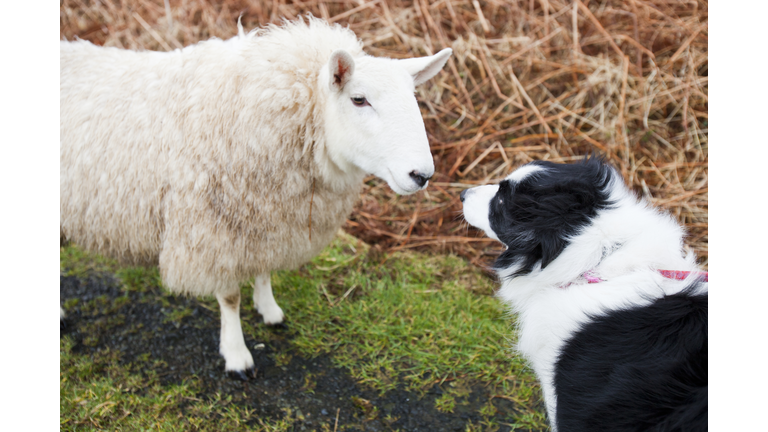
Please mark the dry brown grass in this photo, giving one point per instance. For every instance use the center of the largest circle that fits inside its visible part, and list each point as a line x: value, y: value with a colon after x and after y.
x: 533, y: 79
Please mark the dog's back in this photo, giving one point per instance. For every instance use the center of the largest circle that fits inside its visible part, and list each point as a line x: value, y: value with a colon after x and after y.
x: 637, y: 369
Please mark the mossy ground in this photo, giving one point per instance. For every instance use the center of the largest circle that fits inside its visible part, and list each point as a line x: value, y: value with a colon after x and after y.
x: 406, y: 341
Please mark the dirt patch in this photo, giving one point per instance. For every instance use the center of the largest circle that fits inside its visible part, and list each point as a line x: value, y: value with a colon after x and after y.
x: 176, y: 338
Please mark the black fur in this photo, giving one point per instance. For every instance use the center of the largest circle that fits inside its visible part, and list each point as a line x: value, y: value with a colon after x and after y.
x: 535, y: 217
x: 639, y: 369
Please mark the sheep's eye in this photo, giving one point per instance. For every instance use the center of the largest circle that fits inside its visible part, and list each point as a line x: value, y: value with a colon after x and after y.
x: 359, y: 101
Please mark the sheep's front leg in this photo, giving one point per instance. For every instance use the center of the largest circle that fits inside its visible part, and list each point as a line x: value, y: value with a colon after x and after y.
x: 265, y: 302
x: 238, y: 360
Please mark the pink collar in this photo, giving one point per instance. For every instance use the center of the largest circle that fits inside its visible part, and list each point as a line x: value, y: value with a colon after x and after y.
x: 680, y: 275
x: 591, y: 277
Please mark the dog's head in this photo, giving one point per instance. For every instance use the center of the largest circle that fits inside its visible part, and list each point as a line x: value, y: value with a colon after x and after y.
x: 538, y: 208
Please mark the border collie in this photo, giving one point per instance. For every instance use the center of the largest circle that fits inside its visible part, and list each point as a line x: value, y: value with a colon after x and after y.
x: 612, y: 312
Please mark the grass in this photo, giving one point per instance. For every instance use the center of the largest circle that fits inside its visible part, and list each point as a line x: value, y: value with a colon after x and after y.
x: 96, y: 394
x: 416, y: 319
x: 404, y: 320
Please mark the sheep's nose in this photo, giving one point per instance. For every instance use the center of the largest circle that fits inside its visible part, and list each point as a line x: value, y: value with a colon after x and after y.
x: 463, y: 194
x: 419, y: 178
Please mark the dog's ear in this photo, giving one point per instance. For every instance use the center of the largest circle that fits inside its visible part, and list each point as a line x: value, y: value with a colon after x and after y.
x: 552, y: 245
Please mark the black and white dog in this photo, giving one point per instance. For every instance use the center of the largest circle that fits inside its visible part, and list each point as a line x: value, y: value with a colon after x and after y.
x: 612, y: 312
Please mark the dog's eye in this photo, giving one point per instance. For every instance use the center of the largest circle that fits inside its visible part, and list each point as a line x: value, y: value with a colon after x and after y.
x: 360, y: 101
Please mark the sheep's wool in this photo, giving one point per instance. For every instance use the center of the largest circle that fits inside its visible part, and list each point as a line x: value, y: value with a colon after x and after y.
x: 204, y: 160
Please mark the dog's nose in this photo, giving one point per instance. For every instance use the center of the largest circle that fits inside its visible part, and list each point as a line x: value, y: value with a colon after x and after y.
x: 419, y: 178
x: 463, y: 194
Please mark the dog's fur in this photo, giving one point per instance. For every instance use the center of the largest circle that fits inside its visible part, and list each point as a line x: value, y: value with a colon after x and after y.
x: 628, y: 353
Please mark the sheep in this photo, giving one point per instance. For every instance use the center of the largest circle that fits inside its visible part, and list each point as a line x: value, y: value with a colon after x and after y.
x: 226, y: 160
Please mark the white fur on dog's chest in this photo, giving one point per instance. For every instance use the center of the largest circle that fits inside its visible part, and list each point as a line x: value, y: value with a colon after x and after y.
x: 553, y: 315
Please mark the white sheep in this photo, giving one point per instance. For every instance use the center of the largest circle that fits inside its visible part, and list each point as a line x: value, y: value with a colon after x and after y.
x: 226, y: 160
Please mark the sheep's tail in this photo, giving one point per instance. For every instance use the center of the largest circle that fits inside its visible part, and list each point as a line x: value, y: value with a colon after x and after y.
x: 240, y: 31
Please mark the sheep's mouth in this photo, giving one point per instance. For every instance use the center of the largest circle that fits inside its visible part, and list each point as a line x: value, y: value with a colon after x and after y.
x: 391, y: 180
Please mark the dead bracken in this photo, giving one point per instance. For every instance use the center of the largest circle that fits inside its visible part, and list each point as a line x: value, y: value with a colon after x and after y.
x: 530, y: 80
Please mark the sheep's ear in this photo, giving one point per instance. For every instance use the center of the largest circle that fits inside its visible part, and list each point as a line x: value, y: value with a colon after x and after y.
x: 424, y: 68
x: 341, y: 66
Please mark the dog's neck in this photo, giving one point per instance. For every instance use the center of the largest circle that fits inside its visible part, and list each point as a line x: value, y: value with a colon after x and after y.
x: 631, y: 236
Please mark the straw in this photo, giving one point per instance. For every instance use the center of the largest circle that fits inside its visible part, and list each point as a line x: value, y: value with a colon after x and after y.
x: 539, y: 80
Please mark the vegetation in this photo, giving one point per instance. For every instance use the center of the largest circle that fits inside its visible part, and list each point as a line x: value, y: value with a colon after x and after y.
x: 405, y: 321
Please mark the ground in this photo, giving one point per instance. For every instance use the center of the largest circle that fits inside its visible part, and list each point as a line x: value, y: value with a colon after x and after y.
x: 150, y: 358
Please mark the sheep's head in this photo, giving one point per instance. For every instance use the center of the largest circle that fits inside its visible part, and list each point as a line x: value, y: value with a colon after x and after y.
x: 372, y: 119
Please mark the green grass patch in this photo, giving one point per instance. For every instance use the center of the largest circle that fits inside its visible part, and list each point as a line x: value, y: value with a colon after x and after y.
x: 406, y: 320
x: 416, y: 319
x: 97, y: 394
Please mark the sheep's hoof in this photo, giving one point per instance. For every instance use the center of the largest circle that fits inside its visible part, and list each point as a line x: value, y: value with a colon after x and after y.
x: 278, y: 326
x: 243, y: 375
